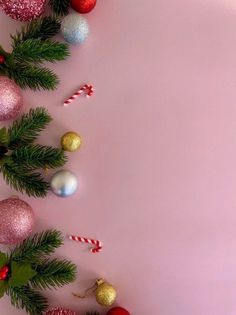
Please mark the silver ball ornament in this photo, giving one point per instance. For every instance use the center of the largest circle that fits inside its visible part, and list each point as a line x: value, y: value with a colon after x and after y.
x: 75, y: 28
x: 64, y: 183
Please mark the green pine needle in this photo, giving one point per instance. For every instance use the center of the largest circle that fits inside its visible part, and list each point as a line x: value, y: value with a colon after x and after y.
x: 36, y: 248
x: 37, y: 156
x: 25, y: 130
x: 53, y: 273
x: 38, y: 51
x: 31, y: 76
x: 23, y: 180
x: 42, y: 28
x: 26, y: 298
x: 60, y: 7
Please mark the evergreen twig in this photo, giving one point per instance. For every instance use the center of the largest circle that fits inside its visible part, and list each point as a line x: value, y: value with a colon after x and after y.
x: 53, y: 273
x: 60, y: 7
x: 26, y: 298
x: 36, y: 248
x: 37, y: 156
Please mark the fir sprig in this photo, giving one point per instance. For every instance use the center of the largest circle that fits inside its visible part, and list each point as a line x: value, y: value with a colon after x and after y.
x: 36, y: 248
x: 60, y: 7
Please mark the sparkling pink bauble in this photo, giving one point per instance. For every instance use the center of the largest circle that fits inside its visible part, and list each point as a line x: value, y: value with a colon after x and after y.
x: 23, y: 10
x: 11, y: 99
x: 59, y: 311
x: 16, y: 220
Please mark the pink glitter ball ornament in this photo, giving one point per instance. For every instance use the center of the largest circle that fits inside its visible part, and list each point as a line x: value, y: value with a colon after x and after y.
x: 23, y: 10
x: 59, y: 311
x: 11, y: 99
x: 16, y: 220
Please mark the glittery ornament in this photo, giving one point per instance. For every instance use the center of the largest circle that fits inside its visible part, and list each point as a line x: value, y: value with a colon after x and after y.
x: 83, y: 6
x: 23, y: 10
x: 71, y: 141
x: 105, y: 293
x: 16, y: 220
x: 75, y: 28
x: 2, y: 59
x: 11, y: 99
x: 118, y: 311
x: 64, y: 183
x: 59, y: 311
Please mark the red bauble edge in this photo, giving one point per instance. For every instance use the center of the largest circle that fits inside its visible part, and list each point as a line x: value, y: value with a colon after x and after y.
x: 118, y: 311
x: 83, y: 6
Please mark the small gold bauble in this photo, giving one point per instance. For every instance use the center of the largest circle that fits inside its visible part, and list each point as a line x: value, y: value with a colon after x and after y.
x: 105, y: 293
x: 71, y: 141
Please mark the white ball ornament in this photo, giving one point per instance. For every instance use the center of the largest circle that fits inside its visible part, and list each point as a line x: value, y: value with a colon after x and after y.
x: 64, y: 183
x: 75, y: 28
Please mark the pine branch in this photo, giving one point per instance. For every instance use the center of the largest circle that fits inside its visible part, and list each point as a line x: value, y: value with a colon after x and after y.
x: 60, y: 7
x: 23, y: 180
x: 37, y: 156
x: 36, y: 248
x: 25, y: 130
x: 53, y: 273
x: 32, y: 301
x: 42, y: 28
x: 38, y: 51
x: 31, y: 76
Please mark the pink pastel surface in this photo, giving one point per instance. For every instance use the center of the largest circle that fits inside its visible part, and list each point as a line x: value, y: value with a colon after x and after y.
x: 157, y: 171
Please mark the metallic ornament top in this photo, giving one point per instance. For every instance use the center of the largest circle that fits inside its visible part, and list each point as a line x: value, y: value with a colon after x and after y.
x: 71, y: 141
x: 11, y: 99
x: 16, y: 220
x: 105, y: 293
x: 23, y: 10
x: 75, y: 28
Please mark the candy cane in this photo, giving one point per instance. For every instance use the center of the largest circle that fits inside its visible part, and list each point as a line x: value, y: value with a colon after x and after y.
x: 97, y: 244
x: 88, y: 88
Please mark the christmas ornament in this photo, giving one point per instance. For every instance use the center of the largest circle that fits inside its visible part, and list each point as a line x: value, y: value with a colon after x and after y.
x: 4, y: 272
x: 97, y: 244
x: 27, y: 269
x: 71, y: 141
x: 83, y: 6
x: 118, y: 311
x: 31, y: 48
x: 17, y: 220
x: 20, y: 158
x: 64, y: 183
x: 87, y: 88
x: 75, y: 28
x: 105, y: 293
x: 59, y: 311
x: 11, y: 99
x: 23, y: 10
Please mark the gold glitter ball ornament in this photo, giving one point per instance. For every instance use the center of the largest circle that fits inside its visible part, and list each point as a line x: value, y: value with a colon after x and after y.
x: 105, y: 293
x: 71, y: 141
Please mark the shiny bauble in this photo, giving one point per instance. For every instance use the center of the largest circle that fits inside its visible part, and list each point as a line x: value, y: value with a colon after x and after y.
x: 118, y: 311
x: 71, y: 141
x: 75, y: 28
x: 105, y: 293
x: 23, y: 10
x: 83, y: 6
x: 11, y: 99
x: 64, y: 183
x: 16, y: 220
x: 4, y: 272
x: 59, y: 311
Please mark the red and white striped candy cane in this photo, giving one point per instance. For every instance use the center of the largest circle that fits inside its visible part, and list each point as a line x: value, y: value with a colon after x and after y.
x: 88, y: 88
x: 97, y: 244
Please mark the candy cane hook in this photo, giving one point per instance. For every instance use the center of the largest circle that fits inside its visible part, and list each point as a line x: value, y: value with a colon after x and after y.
x: 87, y: 88
x: 97, y: 244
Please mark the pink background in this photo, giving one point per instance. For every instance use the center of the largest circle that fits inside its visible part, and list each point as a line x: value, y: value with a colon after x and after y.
x: 157, y: 170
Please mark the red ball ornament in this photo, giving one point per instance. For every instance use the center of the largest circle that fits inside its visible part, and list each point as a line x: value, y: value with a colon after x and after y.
x: 2, y: 59
x: 83, y: 6
x: 4, y: 271
x: 59, y: 311
x: 118, y: 311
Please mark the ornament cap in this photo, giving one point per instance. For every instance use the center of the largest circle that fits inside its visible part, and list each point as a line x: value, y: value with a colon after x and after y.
x: 100, y: 282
